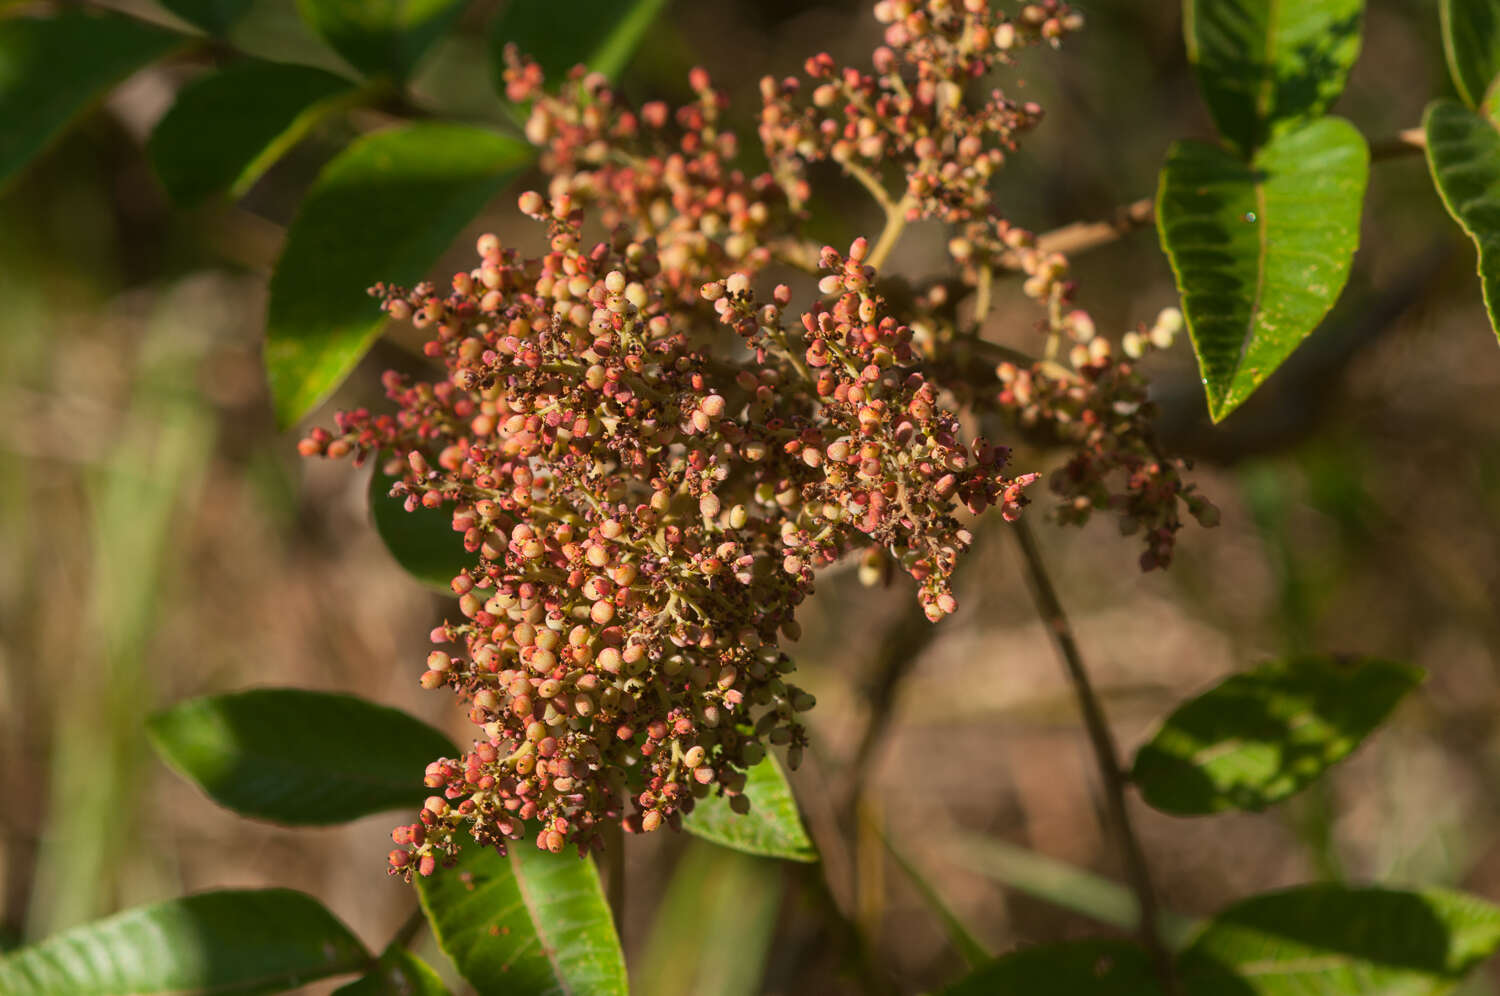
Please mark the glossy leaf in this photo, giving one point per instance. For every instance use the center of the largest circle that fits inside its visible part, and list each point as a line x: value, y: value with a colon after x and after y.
x: 1261, y: 736
x: 1471, y: 42
x: 772, y: 828
x: 381, y: 38
x: 600, y: 34
x: 1339, y: 941
x: 214, y: 16
x: 220, y: 943
x: 1463, y: 154
x: 1077, y: 968
x: 1260, y: 250
x: 54, y: 68
x: 530, y: 923
x: 397, y: 973
x: 1265, y: 65
x: 422, y: 541
x: 299, y: 757
x: 227, y: 128
x: 383, y: 210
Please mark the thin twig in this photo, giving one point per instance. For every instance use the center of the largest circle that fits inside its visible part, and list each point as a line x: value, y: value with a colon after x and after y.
x: 410, y: 929
x: 1105, y: 753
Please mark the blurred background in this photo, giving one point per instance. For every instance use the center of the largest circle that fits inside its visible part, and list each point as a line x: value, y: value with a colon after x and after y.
x: 160, y: 539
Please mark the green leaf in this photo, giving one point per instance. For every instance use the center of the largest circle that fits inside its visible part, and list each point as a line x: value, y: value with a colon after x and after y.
x: 213, y: 16
x: 1264, y: 65
x: 529, y: 923
x: 249, y: 941
x: 227, y: 128
x: 1075, y: 968
x: 299, y: 757
x: 600, y: 34
x: 1339, y: 941
x: 52, y: 69
x: 1471, y: 42
x: 397, y: 973
x: 1463, y: 154
x: 381, y: 38
x: 969, y: 947
x: 1261, y: 736
x: 422, y: 541
x: 772, y: 827
x: 384, y: 209
x: 1260, y: 250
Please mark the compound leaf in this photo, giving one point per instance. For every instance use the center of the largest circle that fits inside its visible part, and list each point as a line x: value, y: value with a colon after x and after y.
x: 1264, y: 65
x: 1463, y: 153
x: 529, y: 923
x: 1261, y: 250
x: 1340, y: 941
x: 771, y: 828
x: 219, y: 943
x: 600, y: 34
x: 384, y: 209
x: 227, y: 128
x: 1259, y: 737
x: 299, y: 757
x: 53, y: 68
x: 381, y: 38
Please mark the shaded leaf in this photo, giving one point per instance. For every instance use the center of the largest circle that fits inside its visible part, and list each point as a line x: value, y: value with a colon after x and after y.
x: 397, y: 973
x: 1340, y: 941
x: 772, y: 828
x: 213, y: 16
x: 380, y: 38
x: 297, y: 756
x: 233, y: 942
x: 1264, y: 65
x: 1261, y: 736
x: 1064, y: 885
x: 712, y: 931
x: 52, y: 69
x: 529, y: 923
x: 600, y: 34
x: 1075, y: 968
x: 227, y: 128
x: 383, y: 210
x: 422, y: 541
x: 1471, y: 43
x: 1463, y: 154
x: 1260, y: 250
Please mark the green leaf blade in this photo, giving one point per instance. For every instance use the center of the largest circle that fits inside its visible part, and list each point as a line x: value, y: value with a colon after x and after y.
x: 1341, y: 941
x: 529, y: 923
x: 422, y: 541
x: 383, y: 39
x: 299, y: 757
x: 1265, y: 65
x: 397, y: 973
x: 1077, y: 968
x: 52, y: 69
x: 227, y: 128
x: 1471, y: 44
x: 1463, y: 155
x: 383, y: 210
x: 1261, y: 736
x: 1260, y: 251
x: 771, y: 829
x: 214, y: 16
x: 600, y: 34
x: 224, y: 943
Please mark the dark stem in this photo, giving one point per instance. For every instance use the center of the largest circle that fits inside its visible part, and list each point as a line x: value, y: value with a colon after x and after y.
x: 1105, y: 753
x: 614, y: 868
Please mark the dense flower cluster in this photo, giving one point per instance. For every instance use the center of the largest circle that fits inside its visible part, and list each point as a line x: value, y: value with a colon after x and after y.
x: 913, y: 111
x: 645, y: 518
x: 649, y: 452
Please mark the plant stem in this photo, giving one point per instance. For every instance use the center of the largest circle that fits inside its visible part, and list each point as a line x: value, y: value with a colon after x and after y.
x: 1105, y: 753
x: 410, y: 929
x: 614, y: 860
